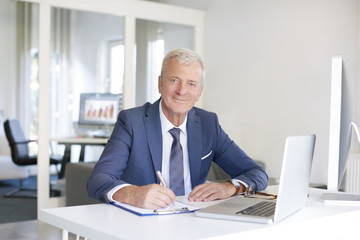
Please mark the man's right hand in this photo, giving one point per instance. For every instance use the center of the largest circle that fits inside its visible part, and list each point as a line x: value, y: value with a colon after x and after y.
x: 152, y: 196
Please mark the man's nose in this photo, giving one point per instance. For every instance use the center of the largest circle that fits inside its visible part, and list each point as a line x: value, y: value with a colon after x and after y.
x: 181, y: 89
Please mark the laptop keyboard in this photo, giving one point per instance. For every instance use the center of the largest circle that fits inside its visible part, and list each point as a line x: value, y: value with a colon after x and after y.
x: 262, y: 209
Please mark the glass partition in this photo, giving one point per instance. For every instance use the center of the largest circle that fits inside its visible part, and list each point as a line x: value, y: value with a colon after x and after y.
x: 86, y: 58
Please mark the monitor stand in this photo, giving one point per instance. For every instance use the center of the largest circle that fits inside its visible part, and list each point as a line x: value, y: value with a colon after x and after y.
x: 343, y: 197
x: 103, y: 131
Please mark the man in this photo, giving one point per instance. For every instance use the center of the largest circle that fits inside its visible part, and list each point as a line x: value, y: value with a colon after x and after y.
x: 142, y: 143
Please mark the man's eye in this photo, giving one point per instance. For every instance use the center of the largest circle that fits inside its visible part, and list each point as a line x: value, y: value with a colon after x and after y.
x: 174, y: 80
x: 192, y: 84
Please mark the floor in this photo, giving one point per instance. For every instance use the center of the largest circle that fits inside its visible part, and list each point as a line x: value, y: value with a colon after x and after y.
x: 18, y: 222
x: 31, y: 230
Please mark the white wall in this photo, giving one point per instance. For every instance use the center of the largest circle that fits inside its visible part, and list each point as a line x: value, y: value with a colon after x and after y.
x: 268, y: 70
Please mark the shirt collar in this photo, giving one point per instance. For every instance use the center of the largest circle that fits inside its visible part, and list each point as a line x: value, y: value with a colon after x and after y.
x: 166, y: 125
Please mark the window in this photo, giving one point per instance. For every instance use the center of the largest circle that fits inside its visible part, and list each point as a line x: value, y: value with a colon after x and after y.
x: 115, y: 66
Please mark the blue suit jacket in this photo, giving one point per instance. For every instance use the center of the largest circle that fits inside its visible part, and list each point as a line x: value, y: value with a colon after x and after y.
x: 133, y: 153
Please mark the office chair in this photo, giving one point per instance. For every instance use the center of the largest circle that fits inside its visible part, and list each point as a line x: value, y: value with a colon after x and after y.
x: 20, y: 151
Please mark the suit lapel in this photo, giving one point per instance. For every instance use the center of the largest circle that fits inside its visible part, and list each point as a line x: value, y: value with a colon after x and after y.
x: 153, y: 133
x: 194, y: 132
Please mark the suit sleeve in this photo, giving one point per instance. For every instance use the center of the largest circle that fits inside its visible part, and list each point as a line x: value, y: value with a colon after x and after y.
x: 108, y: 170
x: 234, y: 161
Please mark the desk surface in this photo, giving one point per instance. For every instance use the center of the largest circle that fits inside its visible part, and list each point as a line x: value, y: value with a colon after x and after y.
x: 101, y: 221
x: 81, y: 140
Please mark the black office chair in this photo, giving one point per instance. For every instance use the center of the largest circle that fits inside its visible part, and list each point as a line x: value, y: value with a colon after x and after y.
x: 19, y: 147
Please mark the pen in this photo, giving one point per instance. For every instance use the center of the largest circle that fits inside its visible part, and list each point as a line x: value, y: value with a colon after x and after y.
x: 171, y: 211
x: 162, y: 181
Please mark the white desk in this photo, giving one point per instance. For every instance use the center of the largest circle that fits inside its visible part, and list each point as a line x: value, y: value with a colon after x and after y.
x: 83, y: 142
x: 100, y: 221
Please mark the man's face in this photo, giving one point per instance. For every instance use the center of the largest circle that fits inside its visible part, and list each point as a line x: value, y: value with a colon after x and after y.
x: 180, y: 88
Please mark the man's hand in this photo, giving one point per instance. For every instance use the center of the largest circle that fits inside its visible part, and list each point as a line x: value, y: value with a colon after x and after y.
x: 152, y: 196
x: 210, y: 191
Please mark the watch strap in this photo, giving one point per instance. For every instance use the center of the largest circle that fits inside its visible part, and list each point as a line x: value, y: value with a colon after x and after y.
x: 237, y: 185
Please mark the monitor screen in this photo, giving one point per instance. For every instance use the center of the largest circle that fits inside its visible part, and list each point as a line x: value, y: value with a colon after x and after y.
x: 99, y: 108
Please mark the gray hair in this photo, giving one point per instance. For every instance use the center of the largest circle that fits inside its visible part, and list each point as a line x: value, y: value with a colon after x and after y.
x: 183, y: 56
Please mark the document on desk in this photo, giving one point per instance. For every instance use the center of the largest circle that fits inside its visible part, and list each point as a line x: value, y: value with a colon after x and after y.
x: 181, y: 205
x: 174, y: 208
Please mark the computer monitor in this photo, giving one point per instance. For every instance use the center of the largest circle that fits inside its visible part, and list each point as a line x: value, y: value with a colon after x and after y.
x: 99, y: 108
x: 341, y: 117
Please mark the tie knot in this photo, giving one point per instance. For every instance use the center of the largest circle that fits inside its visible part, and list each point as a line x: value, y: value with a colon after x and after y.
x: 175, y: 133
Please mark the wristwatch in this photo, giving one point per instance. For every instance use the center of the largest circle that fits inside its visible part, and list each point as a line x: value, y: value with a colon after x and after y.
x: 237, y: 185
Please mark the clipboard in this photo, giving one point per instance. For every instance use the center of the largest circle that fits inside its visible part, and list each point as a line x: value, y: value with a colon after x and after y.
x: 176, y: 208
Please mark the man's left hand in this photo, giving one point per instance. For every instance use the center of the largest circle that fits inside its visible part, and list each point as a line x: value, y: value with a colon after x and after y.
x: 210, y: 191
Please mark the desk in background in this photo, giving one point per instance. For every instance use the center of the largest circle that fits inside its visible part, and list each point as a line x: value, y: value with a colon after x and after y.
x: 101, y: 221
x: 83, y: 142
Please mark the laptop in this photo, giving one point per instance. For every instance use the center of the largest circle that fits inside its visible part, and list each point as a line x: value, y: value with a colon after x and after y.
x: 292, y: 191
